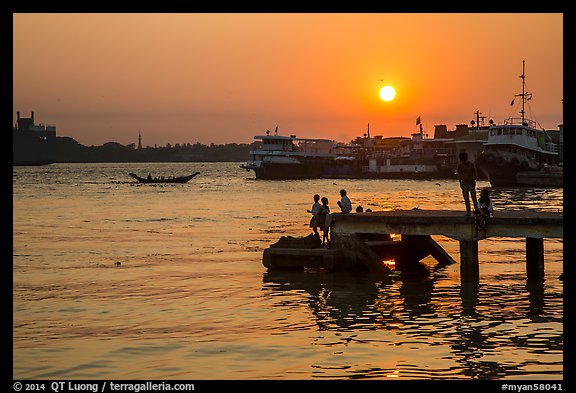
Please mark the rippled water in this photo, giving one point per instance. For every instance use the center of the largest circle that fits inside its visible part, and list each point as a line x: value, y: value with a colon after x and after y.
x: 116, y: 280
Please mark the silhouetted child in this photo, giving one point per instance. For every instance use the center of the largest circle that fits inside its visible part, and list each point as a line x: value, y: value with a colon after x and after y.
x: 323, y: 212
x: 344, y: 202
x: 484, y: 211
x: 485, y: 203
x: 359, y: 209
x: 467, y: 178
x: 315, y: 208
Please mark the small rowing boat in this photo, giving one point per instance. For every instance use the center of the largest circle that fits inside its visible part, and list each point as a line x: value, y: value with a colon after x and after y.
x: 162, y: 179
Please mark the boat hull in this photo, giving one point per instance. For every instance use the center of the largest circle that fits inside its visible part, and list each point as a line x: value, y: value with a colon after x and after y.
x: 499, y: 176
x: 509, y: 171
x: 541, y: 179
x: 331, y: 170
x: 181, y: 179
x: 273, y: 171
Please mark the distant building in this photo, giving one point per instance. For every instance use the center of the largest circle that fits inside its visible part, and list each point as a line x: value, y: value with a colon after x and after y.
x: 32, y: 144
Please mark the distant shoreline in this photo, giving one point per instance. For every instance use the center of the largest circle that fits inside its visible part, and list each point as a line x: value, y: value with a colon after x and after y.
x: 68, y: 150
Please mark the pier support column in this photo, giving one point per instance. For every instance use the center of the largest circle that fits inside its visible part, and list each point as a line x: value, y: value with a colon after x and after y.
x: 469, y: 269
x: 535, y: 257
x: 352, y: 244
x: 469, y: 296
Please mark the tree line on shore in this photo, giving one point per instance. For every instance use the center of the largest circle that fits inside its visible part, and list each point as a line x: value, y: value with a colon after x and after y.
x: 69, y: 150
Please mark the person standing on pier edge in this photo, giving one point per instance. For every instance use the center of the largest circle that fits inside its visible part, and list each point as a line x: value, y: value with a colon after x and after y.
x: 344, y: 202
x: 324, y: 212
x: 467, y: 178
x: 315, y: 208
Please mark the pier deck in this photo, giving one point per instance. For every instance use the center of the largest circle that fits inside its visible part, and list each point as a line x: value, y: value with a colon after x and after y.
x: 453, y: 224
x: 532, y: 225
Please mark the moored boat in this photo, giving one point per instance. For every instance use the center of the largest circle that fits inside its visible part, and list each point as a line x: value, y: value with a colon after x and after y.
x: 545, y: 177
x: 518, y: 148
x: 287, y: 157
x: 162, y: 179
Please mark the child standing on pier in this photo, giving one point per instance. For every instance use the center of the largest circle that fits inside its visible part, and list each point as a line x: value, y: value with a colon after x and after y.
x: 315, y: 209
x: 323, y: 212
x: 467, y: 178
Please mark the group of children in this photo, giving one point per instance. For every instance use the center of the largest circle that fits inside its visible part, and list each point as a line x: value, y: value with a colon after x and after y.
x: 321, y: 217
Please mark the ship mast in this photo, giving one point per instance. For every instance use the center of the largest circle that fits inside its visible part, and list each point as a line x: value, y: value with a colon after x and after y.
x: 479, y: 119
x: 525, y: 96
x: 523, y: 92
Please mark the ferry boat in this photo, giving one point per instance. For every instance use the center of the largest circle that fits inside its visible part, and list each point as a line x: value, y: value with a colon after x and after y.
x: 33, y: 144
x: 289, y: 157
x: 516, y: 148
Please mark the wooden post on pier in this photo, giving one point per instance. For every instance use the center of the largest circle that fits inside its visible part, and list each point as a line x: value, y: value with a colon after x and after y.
x: 535, y: 257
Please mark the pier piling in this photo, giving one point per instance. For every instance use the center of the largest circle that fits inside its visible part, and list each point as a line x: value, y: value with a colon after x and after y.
x: 469, y: 266
x: 535, y: 257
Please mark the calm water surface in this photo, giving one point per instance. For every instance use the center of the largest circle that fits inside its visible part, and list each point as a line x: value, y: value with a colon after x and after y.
x: 116, y: 280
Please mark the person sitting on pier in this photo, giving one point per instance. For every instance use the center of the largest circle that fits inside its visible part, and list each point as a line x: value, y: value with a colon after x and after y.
x: 467, y: 178
x: 484, y: 211
x: 359, y: 209
x: 315, y: 208
x: 344, y: 202
x: 323, y: 223
x: 485, y: 203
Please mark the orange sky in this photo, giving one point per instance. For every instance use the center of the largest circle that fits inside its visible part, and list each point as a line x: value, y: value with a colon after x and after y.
x: 222, y: 78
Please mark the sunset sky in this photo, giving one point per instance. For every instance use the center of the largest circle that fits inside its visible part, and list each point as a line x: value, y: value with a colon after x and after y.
x: 225, y: 77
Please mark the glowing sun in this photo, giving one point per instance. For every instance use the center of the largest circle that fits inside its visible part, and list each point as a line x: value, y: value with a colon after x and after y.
x: 387, y: 93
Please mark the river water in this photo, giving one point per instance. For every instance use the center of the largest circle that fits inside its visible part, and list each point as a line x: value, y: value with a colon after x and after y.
x: 117, y: 280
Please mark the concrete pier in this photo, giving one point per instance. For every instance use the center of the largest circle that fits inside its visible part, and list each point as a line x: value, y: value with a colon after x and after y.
x: 287, y: 258
x: 532, y: 225
x: 363, y: 238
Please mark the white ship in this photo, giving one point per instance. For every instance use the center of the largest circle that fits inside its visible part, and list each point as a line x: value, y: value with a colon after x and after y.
x: 518, y: 148
x: 289, y: 157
